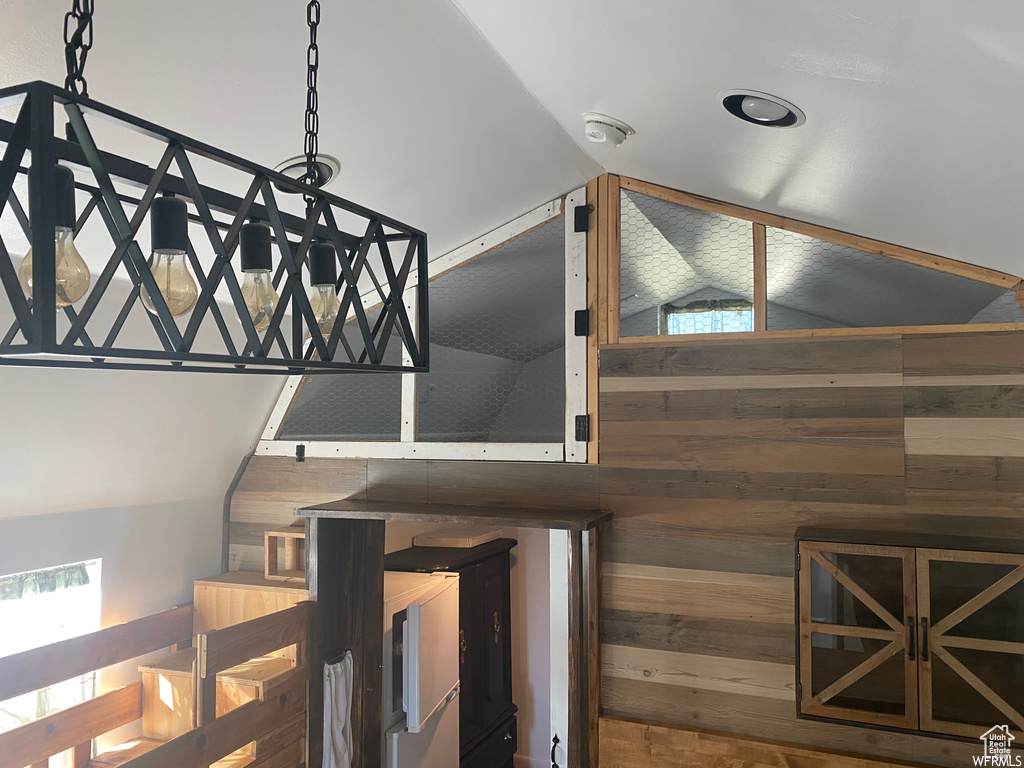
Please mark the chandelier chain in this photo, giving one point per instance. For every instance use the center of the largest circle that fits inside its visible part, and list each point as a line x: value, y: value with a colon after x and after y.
x: 77, y: 44
x: 312, y: 144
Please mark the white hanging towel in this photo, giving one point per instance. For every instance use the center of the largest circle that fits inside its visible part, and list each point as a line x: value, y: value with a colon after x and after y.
x: 338, y: 713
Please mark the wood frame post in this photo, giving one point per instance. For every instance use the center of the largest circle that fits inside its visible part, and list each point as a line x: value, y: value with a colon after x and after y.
x: 345, y: 574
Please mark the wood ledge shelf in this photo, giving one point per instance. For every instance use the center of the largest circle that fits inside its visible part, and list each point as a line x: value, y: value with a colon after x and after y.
x: 516, y: 517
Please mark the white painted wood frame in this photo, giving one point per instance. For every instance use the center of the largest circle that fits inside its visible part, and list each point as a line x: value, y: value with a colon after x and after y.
x: 575, y: 346
x: 558, y: 553
x: 408, y: 447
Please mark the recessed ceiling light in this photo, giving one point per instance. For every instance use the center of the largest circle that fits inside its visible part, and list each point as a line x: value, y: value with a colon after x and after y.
x: 327, y: 168
x: 762, y: 109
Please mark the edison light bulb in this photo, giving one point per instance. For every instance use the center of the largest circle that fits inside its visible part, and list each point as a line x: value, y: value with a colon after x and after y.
x: 325, y: 305
x: 175, y: 282
x: 72, y: 271
x: 323, y: 274
x: 260, y: 297
x: 257, y: 288
x: 168, y: 221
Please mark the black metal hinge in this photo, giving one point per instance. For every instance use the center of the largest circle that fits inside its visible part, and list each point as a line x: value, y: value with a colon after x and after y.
x: 582, y: 322
x: 583, y: 428
x: 581, y: 218
x: 300, y: 453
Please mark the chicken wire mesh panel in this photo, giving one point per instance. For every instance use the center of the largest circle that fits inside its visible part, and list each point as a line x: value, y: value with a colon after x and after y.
x: 812, y: 283
x: 350, y: 406
x: 683, y: 270
x: 497, y: 371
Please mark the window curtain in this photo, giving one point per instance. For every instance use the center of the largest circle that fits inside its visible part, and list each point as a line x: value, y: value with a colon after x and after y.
x: 16, y: 585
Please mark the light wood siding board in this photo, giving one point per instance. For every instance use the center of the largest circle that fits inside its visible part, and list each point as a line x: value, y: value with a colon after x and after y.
x: 830, y: 456
x: 953, y: 355
x: 698, y: 553
x: 788, y: 486
x: 965, y: 401
x: 707, y: 594
x: 966, y: 473
x: 741, y: 404
x: 763, y: 522
x: 737, y: 639
x: 712, y: 673
x: 965, y: 437
x: 771, y: 358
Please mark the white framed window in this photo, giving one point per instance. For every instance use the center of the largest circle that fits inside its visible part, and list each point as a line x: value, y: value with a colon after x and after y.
x: 38, y: 608
x: 507, y: 372
x: 710, y: 316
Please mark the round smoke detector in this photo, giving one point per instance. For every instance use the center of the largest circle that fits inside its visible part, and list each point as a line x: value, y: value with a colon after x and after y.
x: 602, y: 129
x: 762, y: 109
x: 327, y: 168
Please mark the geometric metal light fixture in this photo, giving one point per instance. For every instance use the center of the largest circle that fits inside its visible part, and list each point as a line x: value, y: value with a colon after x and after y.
x: 42, y: 328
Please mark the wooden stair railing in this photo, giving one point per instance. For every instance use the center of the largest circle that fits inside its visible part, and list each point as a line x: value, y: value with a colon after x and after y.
x: 75, y: 727
x: 276, y: 719
x: 221, y: 649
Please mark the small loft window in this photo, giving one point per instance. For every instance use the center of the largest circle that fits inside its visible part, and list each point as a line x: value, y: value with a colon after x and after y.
x: 38, y: 608
x: 709, y: 316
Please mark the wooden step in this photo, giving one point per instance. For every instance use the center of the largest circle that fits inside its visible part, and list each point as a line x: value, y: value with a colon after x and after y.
x: 129, y: 750
x: 167, y: 693
x: 122, y: 753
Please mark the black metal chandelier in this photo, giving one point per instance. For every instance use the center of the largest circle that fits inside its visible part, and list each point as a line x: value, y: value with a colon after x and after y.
x: 53, y: 313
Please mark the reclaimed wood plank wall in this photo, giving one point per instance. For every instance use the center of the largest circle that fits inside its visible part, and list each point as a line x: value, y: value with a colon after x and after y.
x: 713, y: 453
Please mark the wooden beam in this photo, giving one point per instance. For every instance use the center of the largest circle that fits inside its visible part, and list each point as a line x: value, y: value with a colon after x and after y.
x: 760, y: 278
x: 578, y: 740
x: 612, y: 227
x: 602, y: 260
x: 36, y: 741
x: 591, y: 610
x: 1019, y: 295
x: 345, y: 572
x: 813, y: 333
x: 31, y: 670
x: 897, y: 252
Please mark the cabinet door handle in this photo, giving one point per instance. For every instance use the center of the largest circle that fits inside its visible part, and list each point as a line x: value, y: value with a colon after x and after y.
x: 462, y: 646
x: 924, y: 638
x: 508, y: 736
x: 554, y: 744
x: 497, y: 627
x: 911, y: 638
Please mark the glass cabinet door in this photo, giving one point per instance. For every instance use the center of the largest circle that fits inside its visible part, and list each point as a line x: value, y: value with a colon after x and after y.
x: 858, y: 659
x: 972, y: 633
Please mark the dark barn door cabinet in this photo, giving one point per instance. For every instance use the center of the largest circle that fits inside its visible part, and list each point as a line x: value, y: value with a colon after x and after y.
x: 487, y: 724
x: 917, y: 631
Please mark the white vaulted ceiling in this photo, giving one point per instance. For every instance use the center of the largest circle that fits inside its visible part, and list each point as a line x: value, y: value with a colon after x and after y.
x: 913, y: 108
